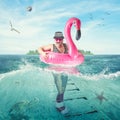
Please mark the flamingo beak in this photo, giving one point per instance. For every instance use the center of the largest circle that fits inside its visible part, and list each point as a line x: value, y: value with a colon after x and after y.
x: 78, y: 34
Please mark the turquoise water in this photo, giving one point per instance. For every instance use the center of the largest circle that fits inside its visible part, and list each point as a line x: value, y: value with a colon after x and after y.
x: 27, y: 89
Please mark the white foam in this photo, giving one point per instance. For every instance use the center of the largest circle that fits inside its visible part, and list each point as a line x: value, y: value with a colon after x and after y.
x: 100, y: 76
x: 22, y: 69
x: 1, y: 76
x: 28, y: 67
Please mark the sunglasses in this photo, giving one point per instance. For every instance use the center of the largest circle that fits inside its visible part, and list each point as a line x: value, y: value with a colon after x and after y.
x: 58, y: 39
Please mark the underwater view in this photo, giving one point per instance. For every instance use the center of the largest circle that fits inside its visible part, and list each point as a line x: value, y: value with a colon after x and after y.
x: 28, y: 92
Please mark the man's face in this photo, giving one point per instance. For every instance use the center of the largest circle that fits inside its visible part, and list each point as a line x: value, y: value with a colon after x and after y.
x: 59, y: 40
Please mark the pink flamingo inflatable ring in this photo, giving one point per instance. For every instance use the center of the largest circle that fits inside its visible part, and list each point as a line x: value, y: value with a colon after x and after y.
x: 73, y: 57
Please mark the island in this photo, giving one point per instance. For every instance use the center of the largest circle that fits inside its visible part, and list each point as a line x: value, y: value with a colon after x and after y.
x: 85, y: 52
x: 35, y: 52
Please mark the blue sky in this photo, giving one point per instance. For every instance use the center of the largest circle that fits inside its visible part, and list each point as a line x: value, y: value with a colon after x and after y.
x: 100, y: 24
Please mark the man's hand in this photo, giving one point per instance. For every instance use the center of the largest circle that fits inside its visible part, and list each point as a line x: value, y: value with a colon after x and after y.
x: 45, y: 55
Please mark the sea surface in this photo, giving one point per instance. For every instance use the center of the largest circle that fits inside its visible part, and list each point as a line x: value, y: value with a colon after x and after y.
x: 28, y: 92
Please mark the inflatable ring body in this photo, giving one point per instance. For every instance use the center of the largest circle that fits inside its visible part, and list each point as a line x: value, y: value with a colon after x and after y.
x: 73, y: 58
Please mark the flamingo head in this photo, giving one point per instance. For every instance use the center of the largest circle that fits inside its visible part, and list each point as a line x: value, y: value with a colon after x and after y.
x: 78, y: 34
x: 77, y: 24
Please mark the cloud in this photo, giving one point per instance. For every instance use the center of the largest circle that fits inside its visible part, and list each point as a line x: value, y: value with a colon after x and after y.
x: 38, y: 26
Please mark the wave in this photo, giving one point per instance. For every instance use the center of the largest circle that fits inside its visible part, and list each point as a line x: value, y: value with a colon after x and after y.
x: 27, y: 66
x: 100, y: 76
x: 22, y: 68
x: 3, y: 75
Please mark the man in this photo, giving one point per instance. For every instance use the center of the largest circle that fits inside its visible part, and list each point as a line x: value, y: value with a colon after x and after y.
x: 60, y: 79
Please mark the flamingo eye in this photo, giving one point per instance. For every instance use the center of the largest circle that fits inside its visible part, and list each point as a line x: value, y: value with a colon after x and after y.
x: 74, y: 23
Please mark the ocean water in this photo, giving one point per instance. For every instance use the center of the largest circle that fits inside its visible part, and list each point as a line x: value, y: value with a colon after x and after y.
x: 28, y: 92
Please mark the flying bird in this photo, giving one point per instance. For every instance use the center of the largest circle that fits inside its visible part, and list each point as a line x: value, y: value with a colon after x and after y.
x: 13, y: 29
x: 29, y: 8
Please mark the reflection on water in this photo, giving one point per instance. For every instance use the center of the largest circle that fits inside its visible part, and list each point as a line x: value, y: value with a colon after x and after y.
x: 63, y: 69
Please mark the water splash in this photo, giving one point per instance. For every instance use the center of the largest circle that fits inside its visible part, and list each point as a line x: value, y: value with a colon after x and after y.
x: 100, y: 76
